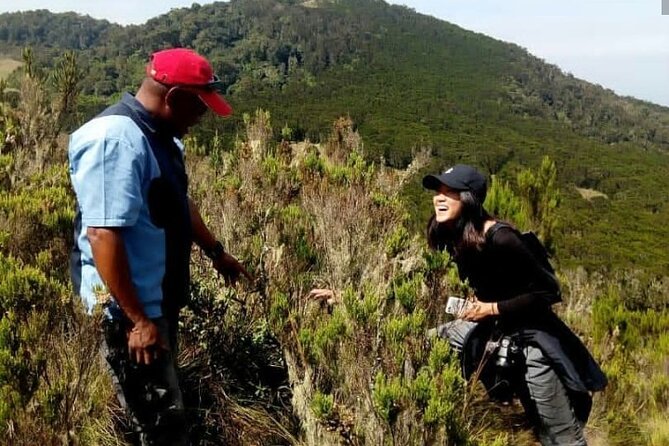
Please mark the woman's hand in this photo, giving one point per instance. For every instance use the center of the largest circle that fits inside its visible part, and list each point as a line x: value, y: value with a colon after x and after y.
x: 477, y: 310
x: 324, y: 295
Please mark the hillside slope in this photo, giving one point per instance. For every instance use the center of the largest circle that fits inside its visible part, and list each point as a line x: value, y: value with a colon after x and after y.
x: 409, y: 80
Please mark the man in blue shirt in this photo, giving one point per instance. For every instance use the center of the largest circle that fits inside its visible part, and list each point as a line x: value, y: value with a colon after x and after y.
x: 134, y: 229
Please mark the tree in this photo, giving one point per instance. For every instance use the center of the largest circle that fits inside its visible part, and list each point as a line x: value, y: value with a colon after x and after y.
x: 541, y: 198
x: 533, y: 206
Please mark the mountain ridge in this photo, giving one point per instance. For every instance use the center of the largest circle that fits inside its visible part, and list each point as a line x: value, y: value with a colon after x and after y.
x: 408, y: 80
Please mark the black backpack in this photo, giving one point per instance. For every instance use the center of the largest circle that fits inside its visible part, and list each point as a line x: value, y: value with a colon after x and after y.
x: 538, y: 250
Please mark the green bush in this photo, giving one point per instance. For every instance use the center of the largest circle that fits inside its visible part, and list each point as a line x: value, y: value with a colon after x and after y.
x: 388, y: 395
x: 407, y: 291
x: 364, y: 310
x: 322, y: 405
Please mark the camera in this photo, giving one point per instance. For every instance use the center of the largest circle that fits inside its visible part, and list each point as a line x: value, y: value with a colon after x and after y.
x: 507, y: 353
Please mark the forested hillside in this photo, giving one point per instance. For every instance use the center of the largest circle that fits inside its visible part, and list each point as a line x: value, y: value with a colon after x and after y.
x: 407, y: 81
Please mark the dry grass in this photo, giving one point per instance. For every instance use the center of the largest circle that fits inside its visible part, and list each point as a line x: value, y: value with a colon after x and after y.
x: 75, y: 402
x: 658, y: 431
x: 7, y: 66
x: 311, y: 4
x: 591, y: 194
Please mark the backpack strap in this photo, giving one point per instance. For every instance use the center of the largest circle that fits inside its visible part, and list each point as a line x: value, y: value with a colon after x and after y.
x: 546, y: 267
x: 496, y: 227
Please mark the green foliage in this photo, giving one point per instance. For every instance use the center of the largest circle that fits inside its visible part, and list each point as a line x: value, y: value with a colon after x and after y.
x: 53, y: 388
x: 397, y: 242
x: 20, y: 285
x: 541, y: 199
x: 544, y: 91
x: 333, y: 214
x: 279, y: 311
x: 533, y: 205
x: 436, y: 261
x: 329, y: 334
x: 505, y: 204
x: 231, y: 359
x: 437, y: 389
x: 66, y: 30
x: 314, y: 163
x: 50, y: 381
x: 322, y: 405
x: 440, y: 355
x: 364, y: 310
x: 442, y: 406
x: 297, y: 234
x: 20, y: 365
x: 632, y: 340
x: 305, y: 339
x: 388, y: 396
x: 631, y: 327
x: 345, y: 209
x: 406, y: 291
x: 354, y: 171
x: 396, y: 329
x: 421, y: 388
x: 502, y: 115
x: 271, y: 168
x: 500, y: 440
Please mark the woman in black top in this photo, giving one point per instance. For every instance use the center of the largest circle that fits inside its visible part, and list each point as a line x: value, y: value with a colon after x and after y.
x: 514, y: 293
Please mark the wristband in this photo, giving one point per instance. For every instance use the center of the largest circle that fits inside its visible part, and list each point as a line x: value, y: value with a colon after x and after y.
x: 215, y: 252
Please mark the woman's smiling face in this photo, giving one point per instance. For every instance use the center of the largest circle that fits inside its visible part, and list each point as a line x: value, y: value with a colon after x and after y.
x: 447, y: 204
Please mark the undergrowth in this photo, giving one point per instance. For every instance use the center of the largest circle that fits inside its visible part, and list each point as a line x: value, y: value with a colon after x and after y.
x: 265, y: 364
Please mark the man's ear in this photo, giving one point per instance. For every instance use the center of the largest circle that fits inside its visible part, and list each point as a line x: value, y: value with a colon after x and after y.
x: 171, y: 98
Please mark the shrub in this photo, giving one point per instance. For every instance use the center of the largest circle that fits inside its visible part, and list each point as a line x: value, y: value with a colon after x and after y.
x: 322, y: 405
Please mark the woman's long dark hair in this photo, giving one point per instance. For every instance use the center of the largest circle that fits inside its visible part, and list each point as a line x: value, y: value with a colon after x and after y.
x: 466, y: 234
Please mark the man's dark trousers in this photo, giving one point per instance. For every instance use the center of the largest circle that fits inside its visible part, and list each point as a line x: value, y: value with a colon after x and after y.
x: 150, y: 393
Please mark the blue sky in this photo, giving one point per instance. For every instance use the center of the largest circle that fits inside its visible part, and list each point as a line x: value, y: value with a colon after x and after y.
x: 620, y: 44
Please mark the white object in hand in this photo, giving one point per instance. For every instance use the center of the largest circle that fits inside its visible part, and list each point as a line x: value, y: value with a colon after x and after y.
x: 455, y: 305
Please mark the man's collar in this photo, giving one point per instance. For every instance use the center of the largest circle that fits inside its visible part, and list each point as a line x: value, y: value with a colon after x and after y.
x: 140, y: 112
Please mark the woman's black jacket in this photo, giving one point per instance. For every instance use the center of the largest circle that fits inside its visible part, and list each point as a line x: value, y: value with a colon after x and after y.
x: 506, y: 271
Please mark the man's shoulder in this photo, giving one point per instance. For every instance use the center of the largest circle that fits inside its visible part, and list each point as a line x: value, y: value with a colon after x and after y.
x: 109, y: 128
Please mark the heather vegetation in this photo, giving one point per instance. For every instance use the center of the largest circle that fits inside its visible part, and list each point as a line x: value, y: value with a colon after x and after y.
x: 263, y: 363
x: 307, y: 199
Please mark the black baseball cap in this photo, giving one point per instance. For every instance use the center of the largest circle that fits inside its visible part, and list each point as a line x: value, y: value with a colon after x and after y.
x: 459, y: 177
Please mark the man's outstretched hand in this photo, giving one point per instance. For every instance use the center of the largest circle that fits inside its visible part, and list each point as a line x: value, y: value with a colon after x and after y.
x: 230, y: 268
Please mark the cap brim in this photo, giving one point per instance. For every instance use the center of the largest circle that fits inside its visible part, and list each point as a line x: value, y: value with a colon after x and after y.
x: 215, y: 102
x: 432, y: 182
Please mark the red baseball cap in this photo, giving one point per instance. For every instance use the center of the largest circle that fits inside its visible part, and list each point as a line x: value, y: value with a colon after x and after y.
x: 181, y: 67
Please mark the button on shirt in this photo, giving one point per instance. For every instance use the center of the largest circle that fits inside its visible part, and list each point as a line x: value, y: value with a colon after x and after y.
x: 111, y: 168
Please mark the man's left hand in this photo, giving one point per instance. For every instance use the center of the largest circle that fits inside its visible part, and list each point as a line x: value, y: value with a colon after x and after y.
x: 230, y: 268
